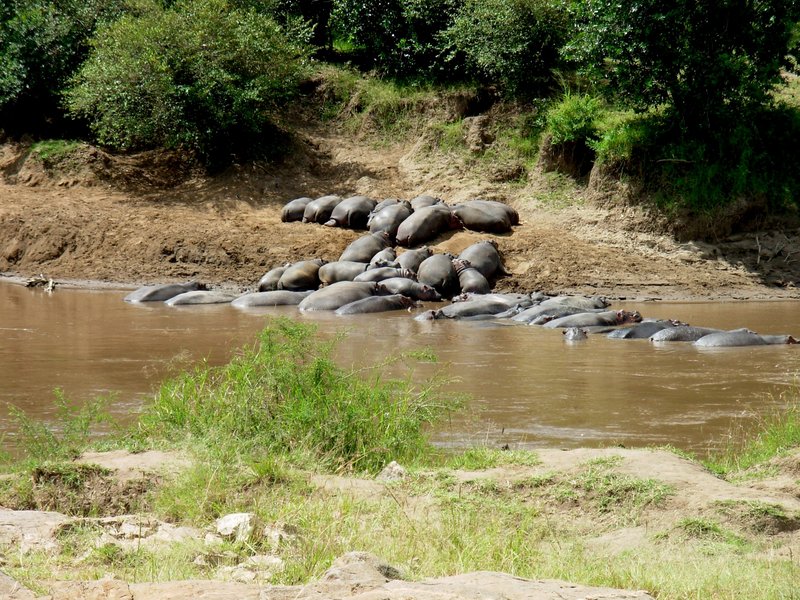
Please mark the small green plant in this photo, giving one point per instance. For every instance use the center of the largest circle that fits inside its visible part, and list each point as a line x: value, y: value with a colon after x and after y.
x: 710, y: 531
x: 574, y: 119
x: 52, y: 151
x: 480, y: 458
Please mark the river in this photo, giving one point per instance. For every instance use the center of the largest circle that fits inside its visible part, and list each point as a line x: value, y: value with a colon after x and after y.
x: 526, y: 386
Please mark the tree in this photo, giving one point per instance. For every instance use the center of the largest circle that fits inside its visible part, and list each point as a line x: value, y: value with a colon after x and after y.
x: 706, y: 62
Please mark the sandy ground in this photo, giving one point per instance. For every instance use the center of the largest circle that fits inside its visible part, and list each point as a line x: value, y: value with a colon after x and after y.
x: 149, y: 218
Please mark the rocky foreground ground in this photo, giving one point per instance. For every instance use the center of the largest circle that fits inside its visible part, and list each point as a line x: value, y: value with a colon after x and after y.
x: 617, y: 502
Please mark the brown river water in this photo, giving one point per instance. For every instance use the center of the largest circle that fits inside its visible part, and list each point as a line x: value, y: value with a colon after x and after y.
x: 526, y: 386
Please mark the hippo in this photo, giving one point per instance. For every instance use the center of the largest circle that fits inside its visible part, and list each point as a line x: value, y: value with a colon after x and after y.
x: 479, y: 304
x: 682, y: 333
x: 486, y: 215
x: 159, y: 293
x: 376, y: 304
x: 412, y: 259
x: 548, y: 314
x: 469, y: 278
x: 197, y: 297
x: 410, y: 288
x: 642, y: 330
x: 386, y: 203
x: 425, y: 224
x: 303, y: 275
x: 351, y: 212
x: 365, y: 247
x: 338, y: 294
x: 584, y: 302
x: 511, y: 299
x: 439, y: 273
x: 319, y: 210
x: 609, y: 317
x: 424, y: 201
x: 574, y: 334
x: 294, y: 209
x: 273, y: 298
x: 741, y: 337
x: 390, y: 218
x: 340, y: 270
x: 383, y: 258
x: 485, y: 258
x: 382, y: 273
x: 269, y: 281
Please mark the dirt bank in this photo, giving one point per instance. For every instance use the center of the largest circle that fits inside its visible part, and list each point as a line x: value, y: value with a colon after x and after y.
x: 148, y: 218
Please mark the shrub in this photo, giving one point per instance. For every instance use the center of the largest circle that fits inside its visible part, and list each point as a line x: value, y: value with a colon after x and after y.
x: 42, y: 43
x: 574, y: 119
x: 514, y: 43
x: 708, y: 62
x: 201, y: 75
x: 400, y: 36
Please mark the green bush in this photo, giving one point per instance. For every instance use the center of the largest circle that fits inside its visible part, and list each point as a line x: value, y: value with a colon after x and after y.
x: 286, y: 397
x: 574, y: 119
x: 401, y: 37
x: 202, y: 75
x: 514, y: 43
x: 706, y: 62
x: 42, y: 43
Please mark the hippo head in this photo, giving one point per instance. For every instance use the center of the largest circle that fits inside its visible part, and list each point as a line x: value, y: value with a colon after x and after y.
x: 574, y: 334
x: 454, y: 222
x: 407, y: 302
x: 460, y: 265
x: 427, y: 292
x: 429, y: 315
x: 624, y: 316
x: 380, y: 290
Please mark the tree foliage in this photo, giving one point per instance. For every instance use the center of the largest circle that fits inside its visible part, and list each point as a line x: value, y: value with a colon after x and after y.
x: 202, y: 75
x: 514, y: 43
x: 706, y: 61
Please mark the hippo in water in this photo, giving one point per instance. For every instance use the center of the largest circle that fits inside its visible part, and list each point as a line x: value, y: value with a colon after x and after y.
x: 365, y: 247
x: 581, y: 302
x: 319, y: 210
x: 682, y: 333
x: 425, y: 224
x: 160, y: 293
x: 485, y: 257
x: 486, y: 215
x: 642, y: 330
x: 294, y: 209
x: 574, y: 334
x: 410, y: 288
x: 303, y: 275
x: 609, y: 317
x: 273, y: 298
x: 197, y: 297
x: 351, y: 212
x: 741, y: 337
x: 376, y: 304
x: 338, y: 294
x: 340, y: 270
x: 479, y: 304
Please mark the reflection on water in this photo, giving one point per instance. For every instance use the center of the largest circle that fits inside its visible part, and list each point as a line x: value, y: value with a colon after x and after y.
x: 527, y: 386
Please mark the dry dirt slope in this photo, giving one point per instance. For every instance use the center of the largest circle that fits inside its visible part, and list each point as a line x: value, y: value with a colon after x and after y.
x: 148, y: 218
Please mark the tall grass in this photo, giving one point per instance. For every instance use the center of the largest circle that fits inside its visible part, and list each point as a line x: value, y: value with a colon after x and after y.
x: 287, y: 396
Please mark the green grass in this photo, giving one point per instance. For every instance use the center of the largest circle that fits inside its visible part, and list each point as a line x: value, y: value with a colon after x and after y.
x: 53, y: 151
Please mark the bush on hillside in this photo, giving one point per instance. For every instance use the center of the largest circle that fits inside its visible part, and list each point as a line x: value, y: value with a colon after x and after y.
x: 707, y: 62
x: 201, y: 75
x: 401, y: 37
x: 513, y: 43
x: 42, y: 43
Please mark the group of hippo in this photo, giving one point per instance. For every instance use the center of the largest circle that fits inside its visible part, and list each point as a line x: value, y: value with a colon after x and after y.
x: 371, y: 276
x: 408, y: 223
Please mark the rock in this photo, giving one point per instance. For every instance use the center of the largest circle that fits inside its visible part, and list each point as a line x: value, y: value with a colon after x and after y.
x: 237, y: 573
x: 392, y: 472
x: 280, y: 534
x: 30, y: 529
x: 104, y: 589
x: 360, y: 568
x: 238, y: 526
x: 134, y: 531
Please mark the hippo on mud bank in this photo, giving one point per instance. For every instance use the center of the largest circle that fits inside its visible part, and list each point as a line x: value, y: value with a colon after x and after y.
x: 351, y: 212
x: 340, y: 270
x: 375, y: 304
x: 390, y: 218
x: 303, y: 275
x: 381, y: 273
x: 410, y: 288
x: 364, y: 248
x: 609, y: 317
x: 485, y: 257
x: 319, y: 210
x: 162, y: 292
x: 294, y: 209
x: 412, y: 259
x: 425, y: 224
x: 469, y: 278
x: 486, y: 215
x: 338, y: 294
x: 439, y: 273
x: 269, y: 281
